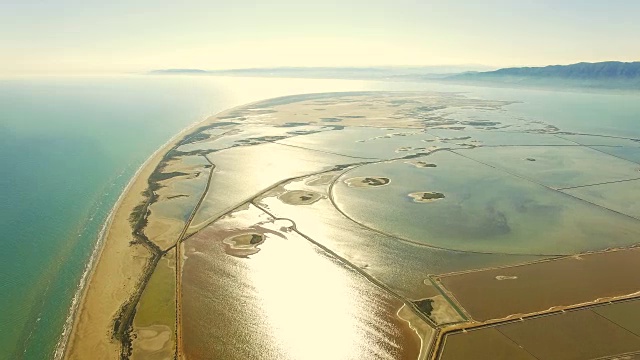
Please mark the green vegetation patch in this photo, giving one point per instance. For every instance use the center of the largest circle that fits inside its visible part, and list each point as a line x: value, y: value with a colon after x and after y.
x: 426, y: 306
x: 158, y: 303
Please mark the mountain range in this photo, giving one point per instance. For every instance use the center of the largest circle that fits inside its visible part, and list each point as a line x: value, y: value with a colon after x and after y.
x: 608, y: 74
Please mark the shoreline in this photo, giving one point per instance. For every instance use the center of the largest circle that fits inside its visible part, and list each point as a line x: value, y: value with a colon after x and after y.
x: 78, y: 300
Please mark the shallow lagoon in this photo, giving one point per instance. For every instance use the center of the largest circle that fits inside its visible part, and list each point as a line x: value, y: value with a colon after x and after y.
x: 484, y: 210
x: 365, y: 142
x: 622, y: 197
x: 283, y: 301
x: 557, y: 167
x: 243, y: 172
x: 376, y: 253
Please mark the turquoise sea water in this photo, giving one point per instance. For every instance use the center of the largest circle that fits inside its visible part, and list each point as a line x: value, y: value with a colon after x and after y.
x: 70, y: 145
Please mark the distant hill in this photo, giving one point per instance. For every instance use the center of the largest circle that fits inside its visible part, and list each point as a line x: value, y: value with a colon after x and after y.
x: 178, y: 71
x: 377, y: 72
x: 609, y: 74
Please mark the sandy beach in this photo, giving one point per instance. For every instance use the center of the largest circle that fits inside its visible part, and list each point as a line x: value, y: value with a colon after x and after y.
x: 118, y: 269
x: 114, y: 277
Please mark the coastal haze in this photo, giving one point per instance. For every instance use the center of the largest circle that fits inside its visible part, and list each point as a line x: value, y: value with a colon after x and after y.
x: 319, y: 180
x: 143, y: 35
x: 600, y: 122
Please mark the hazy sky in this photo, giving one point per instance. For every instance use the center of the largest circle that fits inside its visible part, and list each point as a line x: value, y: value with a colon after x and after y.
x: 103, y: 36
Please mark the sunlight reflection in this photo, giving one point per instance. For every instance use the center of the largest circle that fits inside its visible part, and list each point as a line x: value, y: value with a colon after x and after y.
x: 306, y: 297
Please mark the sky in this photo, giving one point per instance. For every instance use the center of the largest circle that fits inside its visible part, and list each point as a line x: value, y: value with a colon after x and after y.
x: 89, y: 36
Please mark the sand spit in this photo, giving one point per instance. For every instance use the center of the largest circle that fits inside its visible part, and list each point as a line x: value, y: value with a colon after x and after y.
x: 115, y: 277
x: 118, y: 270
x: 154, y: 342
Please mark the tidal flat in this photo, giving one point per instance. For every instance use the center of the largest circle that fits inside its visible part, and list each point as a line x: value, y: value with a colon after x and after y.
x: 268, y: 229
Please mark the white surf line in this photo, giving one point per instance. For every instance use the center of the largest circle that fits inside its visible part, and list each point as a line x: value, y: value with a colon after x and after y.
x: 63, y: 340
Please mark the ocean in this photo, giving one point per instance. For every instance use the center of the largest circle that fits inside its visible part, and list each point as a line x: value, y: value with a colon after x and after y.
x: 70, y: 145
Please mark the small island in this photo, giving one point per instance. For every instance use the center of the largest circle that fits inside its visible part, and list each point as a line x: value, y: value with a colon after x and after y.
x: 244, y: 244
x: 369, y: 181
x: 422, y: 164
x: 300, y: 197
x: 403, y: 149
x: 426, y: 196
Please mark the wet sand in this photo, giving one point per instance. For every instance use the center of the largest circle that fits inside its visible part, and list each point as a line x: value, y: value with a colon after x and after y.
x: 154, y: 326
x: 177, y: 196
